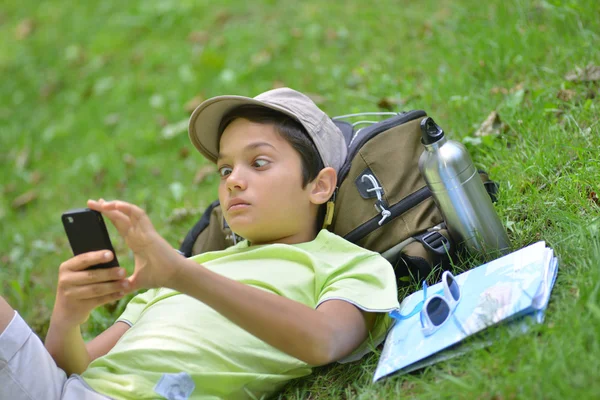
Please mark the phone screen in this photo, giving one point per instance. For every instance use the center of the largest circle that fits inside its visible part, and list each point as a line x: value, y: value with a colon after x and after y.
x: 87, y: 232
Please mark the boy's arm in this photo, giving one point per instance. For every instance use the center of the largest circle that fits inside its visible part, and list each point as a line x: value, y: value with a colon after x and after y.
x: 317, y: 337
x: 72, y: 354
x: 78, y: 292
x: 104, y: 342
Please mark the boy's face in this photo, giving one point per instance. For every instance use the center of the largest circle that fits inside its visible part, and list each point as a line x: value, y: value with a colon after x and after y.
x: 261, y: 190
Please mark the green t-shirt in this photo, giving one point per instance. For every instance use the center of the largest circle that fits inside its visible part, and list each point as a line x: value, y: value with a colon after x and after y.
x: 180, y: 340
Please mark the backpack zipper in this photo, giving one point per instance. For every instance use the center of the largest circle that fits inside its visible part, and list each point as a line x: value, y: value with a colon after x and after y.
x: 397, y: 209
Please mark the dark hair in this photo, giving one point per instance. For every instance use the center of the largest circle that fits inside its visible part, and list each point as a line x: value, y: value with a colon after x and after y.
x: 291, y: 130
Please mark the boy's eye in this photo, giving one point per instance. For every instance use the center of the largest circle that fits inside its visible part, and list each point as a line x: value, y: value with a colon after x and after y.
x: 224, y: 171
x: 260, y: 162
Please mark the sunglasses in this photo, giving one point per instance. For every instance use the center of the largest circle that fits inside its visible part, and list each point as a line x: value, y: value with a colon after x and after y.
x: 439, y: 308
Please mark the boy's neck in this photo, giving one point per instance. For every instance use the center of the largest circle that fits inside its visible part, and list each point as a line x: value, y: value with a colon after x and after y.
x: 292, y: 239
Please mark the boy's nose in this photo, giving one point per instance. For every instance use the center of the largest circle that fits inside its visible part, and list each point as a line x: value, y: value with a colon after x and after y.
x: 236, y: 181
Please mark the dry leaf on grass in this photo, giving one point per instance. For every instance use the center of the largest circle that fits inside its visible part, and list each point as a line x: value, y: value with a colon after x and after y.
x: 587, y: 74
x: 592, y: 93
x: 175, y: 129
x: 198, y: 37
x: 25, y: 199
x: 35, y: 177
x: 129, y: 160
x: 184, y: 152
x: 566, y: 94
x: 425, y: 30
x: 99, y: 176
x: 387, y: 103
x: 296, y: 33
x: 136, y: 57
x: 111, y: 119
x: 331, y: 34
x: 574, y: 291
x: 49, y: 89
x: 24, y: 29
x: 223, y: 17
x: 503, y: 90
x: 121, y: 185
x: 492, y: 125
x: 9, y: 188
x: 593, y: 196
x: 516, y: 88
x: 22, y: 159
x: 498, y: 89
x: 193, y: 103
x: 162, y: 121
x: 203, y: 173
x: 263, y: 57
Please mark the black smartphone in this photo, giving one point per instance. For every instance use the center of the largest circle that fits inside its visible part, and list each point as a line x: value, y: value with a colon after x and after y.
x: 87, y: 232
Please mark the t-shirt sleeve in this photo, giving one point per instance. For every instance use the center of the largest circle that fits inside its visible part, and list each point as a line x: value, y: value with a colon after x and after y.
x: 136, y: 306
x: 369, y: 283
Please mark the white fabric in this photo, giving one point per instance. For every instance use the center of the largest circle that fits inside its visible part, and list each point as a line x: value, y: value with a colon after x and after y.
x: 28, y: 372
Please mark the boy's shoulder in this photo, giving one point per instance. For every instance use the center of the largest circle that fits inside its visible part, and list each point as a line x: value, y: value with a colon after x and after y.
x: 334, y: 242
x: 334, y: 250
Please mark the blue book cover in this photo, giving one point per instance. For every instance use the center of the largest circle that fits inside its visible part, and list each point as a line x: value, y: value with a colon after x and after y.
x: 514, y: 288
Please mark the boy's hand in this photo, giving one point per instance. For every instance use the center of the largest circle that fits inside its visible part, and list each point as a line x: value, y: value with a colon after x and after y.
x: 156, y: 262
x: 79, y: 291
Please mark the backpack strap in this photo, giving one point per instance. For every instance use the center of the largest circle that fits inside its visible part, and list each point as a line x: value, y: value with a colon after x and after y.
x: 429, y: 252
x: 416, y: 257
x: 491, y: 186
x: 434, y: 242
x: 192, y: 235
x: 347, y: 130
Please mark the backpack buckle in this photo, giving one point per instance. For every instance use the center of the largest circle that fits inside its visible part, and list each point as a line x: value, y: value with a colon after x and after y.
x: 435, y: 242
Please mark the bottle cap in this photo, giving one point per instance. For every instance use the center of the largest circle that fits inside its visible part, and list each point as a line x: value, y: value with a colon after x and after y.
x: 430, y: 131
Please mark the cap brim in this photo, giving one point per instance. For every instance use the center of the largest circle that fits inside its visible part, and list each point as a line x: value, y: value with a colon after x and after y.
x: 206, y: 118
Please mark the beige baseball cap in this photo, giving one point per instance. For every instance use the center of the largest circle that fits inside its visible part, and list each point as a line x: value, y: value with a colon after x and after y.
x: 328, y: 139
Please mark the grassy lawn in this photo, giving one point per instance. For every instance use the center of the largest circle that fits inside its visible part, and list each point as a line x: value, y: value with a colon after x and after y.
x: 95, y: 97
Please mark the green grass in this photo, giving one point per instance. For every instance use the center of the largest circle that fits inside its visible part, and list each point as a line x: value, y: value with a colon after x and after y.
x: 88, y: 94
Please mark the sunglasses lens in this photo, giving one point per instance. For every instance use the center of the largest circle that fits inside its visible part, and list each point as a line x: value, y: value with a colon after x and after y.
x: 438, y: 311
x: 453, y: 286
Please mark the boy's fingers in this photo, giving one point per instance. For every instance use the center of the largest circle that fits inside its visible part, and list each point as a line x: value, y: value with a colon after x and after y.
x: 134, y: 282
x: 99, y: 290
x: 95, y: 205
x: 82, y: 278
x: 131, y: 210
x: 119, y: 219
x: 109, y: 298
x: 86, y: 260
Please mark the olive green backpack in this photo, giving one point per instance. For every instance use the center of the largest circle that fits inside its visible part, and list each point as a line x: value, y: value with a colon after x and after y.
x: 382, y: 202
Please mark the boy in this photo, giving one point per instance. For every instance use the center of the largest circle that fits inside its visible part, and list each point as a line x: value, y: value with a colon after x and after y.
x: 230, y: 324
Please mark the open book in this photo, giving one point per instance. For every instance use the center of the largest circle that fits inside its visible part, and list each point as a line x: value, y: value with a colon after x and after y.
x: 512, y: 289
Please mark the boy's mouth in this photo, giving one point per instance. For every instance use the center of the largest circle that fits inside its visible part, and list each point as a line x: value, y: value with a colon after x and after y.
x: 236, y: 204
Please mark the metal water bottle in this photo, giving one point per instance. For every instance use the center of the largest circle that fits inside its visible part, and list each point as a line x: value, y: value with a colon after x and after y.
x: 459, y: 193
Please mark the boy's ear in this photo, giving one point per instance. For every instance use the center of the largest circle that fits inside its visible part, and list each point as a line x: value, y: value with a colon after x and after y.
x: 323, y: 186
